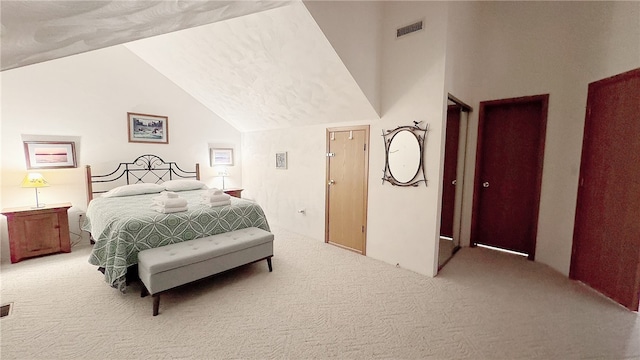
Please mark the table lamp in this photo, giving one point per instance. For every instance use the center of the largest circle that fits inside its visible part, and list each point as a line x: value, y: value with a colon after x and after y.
x: 223, y: 173
x: 34, y: 180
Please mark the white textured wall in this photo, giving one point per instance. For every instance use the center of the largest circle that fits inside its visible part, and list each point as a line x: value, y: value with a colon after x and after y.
x: 269, y: 70
x: 513, y: 49
x: 619, y: 41
x: 488, y: 51
x: 280, y: 192
x: 463, y: 19
x: 402, y: 222
x: 354, y: 28
x: 529, y: 48
x: 462, y: 50
x: 86, y: 97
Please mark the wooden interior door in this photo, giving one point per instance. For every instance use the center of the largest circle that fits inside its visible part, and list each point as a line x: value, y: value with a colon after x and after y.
x: 606, y: 237
x: 347, y: 180
x: 449, y: 179
x: 509, y: 172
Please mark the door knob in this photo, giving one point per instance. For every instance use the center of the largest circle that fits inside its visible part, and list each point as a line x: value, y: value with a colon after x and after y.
x: 331, y: 182
x: 454, y: 182
x: 485, y: 184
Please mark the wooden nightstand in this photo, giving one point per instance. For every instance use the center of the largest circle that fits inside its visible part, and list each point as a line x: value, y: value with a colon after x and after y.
x: 233, y: 192
x: 35, y: 232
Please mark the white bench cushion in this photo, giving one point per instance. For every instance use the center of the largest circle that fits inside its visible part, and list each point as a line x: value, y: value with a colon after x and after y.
x: 178, y: 255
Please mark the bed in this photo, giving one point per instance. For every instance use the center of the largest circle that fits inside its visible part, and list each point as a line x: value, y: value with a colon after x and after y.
x: 122, y: 226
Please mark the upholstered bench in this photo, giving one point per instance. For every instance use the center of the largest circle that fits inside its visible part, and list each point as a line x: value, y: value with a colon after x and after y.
x: 166, y: 267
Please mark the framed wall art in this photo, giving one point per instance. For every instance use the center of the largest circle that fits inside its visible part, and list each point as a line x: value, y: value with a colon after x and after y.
x: 221, y: 156
x: 50, y: 154
x: 144, y: 128
x: 281, y: 160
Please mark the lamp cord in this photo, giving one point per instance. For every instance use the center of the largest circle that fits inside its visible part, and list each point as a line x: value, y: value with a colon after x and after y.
x: 78, y: 238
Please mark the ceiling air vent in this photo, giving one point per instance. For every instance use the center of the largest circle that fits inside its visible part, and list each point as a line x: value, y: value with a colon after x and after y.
x: 409, y: 29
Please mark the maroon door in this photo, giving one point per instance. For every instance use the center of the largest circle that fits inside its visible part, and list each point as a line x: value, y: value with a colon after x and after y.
x: 508, y: 173
x: 450, y: 169
x: 606, y: 237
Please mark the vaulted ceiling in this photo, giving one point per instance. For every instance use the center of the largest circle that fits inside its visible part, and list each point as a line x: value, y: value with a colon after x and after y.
x: 36, y: 31
x: 257, y: 64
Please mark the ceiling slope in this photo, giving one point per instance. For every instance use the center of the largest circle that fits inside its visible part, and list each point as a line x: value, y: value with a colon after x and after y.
x: 37, y: 31
x: 267, y: 70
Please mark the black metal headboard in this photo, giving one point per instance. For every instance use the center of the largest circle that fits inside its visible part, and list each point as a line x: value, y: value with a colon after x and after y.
x: 144, y: 169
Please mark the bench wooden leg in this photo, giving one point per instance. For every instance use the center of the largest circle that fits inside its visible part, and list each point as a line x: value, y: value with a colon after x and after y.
x: 269, y: 264
x: 144, y: 292
x: 156, y: 304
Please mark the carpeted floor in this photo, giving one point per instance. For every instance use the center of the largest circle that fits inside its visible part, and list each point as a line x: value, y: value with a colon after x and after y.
x: 319, y: 302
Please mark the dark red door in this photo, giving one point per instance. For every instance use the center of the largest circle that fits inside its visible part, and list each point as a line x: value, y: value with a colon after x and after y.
x: 450, y: 169
x: 508, y: 173
x: 606, y: 237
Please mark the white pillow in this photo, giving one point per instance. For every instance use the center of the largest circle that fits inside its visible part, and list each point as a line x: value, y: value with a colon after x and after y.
x: 134, y: 189
x: 183, y: 185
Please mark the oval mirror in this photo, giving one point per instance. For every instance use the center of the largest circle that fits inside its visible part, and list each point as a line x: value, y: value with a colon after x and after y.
x: 404, y: 156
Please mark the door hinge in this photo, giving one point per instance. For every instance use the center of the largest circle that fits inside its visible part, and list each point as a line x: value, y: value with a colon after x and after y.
x: 365, y: 147
x: 330, y: 154
x: 581, y: 181
x: 362, y: 228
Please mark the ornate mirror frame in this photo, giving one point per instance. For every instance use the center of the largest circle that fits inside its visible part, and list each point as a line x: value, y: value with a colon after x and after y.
x: 420, y: 135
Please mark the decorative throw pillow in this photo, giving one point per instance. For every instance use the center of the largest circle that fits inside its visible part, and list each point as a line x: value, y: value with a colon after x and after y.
x: 134, y: 189
x: 183, y: 185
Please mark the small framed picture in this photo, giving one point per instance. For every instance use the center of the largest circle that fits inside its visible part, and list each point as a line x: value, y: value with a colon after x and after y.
x: 221, y: 156
x: 50, y: 154
x: 281, y: 160
x: 144, y: 128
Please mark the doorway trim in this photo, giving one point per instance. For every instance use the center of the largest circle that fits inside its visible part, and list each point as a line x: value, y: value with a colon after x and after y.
x: 544, y: 100
x: 365, y: 204
x: 596, y: 262
x: 461, y: 170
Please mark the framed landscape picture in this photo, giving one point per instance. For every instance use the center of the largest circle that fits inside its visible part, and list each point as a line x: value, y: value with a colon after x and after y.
x: 221, y: 156
x: 144, y: 128
x: 50, y: 154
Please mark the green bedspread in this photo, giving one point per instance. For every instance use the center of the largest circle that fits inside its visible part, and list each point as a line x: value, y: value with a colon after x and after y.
x: 123, y: 226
